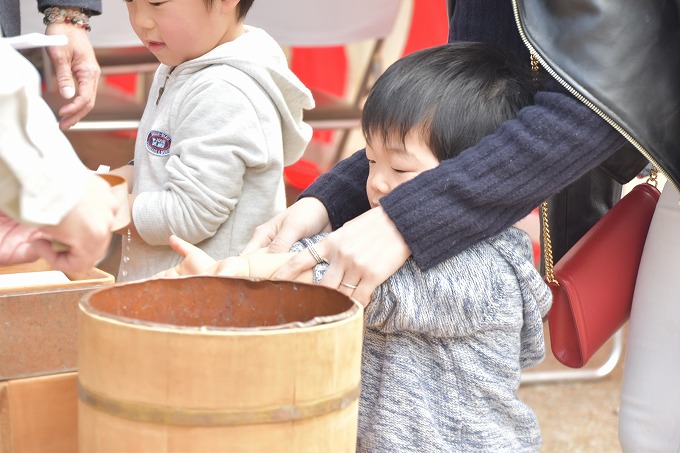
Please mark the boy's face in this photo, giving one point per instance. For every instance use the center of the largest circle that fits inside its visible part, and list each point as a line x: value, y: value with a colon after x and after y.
x: 176, y: 31
x: 394, y: 163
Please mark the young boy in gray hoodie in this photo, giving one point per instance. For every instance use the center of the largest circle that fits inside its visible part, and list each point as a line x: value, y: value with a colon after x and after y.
x: 444, y: 348
x: 223, y: 117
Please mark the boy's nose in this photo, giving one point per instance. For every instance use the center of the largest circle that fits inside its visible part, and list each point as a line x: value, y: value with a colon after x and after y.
x: 140, y: 19
x: 379, y: 185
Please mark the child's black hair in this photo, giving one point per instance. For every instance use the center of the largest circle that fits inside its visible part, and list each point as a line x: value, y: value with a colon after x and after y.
x: 452, y: 95
x: 243, y: 7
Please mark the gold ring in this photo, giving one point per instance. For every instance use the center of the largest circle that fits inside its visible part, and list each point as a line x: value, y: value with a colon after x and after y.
x: 348, y: 285
x: 315, y: 254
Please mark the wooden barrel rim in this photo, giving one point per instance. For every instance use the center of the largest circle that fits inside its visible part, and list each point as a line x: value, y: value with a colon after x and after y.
x: 356, y: 310
x: 216, y: 305
x: 177, y: 416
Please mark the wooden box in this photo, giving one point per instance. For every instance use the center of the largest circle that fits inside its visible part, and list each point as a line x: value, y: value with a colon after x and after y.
x: 38, y: 328
x: 39, y: 414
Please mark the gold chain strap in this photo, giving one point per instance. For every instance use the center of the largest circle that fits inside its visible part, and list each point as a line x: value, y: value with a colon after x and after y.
x: 653, y: 174
x: 534, y: 67
x: 547, y: 245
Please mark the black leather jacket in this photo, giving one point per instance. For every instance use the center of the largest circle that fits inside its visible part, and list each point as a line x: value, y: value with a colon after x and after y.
x: 620, y: 57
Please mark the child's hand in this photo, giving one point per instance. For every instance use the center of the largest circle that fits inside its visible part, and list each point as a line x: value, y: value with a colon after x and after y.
x: 233, y: 266
x: 195, y: 261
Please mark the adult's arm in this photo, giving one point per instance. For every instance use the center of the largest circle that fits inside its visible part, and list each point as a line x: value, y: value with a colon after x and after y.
x: 43, y: 184
x: 489, y: 186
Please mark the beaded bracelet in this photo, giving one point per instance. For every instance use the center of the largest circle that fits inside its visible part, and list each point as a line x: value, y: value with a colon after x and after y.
x: 54, y: 14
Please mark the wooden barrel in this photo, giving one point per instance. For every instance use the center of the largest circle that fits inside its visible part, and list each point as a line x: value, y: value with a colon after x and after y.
x: 208, y: 364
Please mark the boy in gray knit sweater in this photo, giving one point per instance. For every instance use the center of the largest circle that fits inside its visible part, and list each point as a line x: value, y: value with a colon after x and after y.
x: 443, y: 349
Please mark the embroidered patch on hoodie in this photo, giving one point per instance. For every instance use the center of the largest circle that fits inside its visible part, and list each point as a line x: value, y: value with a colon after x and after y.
x: 158, y: 143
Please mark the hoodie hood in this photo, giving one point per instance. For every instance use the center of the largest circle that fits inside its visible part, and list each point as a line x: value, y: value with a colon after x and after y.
x: 259, y: 56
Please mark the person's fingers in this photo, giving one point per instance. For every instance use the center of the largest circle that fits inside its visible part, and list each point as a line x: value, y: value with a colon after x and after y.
x: 169, y: 273
x: 85, y: 229
x: 235, y: 266
x: 84, y: 100
x: 263, y: 235
x: 360, y: 289
x: 364, y: 252
x: 305, y: 218
x: 180, y: 246
x: 194, y: 259
x: 300, y: 262
x: 76, y: 257
x: 44, y: 248
x: 344, y: 275
x: 61, y: 57
x: 283, y: 241
x: 346, y: 287
x: 68, y: 261
x: 261, y: 251
x: 363, y: 291
x: 276, y: 235
x: 76, y: 59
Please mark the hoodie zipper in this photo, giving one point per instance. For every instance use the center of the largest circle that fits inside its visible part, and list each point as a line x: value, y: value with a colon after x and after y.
x: 161, y: 90
x: 581, y: 98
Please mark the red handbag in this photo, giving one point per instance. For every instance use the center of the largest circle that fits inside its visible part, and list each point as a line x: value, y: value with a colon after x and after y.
x: 593, y: 283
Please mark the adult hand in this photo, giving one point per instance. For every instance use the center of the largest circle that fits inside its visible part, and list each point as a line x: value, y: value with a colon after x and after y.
x: 305, y: 218
x: 361, y: 255
x: 74, y: 59
x: 16, y: 242
x: 85, y: 231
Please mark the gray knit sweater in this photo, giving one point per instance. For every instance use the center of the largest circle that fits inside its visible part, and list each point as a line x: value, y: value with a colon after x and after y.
x: 443, y: 350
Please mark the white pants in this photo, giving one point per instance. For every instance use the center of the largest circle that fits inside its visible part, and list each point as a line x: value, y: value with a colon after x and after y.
x: 649, y: 419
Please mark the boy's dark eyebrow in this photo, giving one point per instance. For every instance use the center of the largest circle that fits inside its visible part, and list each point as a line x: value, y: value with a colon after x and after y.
x: 399, y: 148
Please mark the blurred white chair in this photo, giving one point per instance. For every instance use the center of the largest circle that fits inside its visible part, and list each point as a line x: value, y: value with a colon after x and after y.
x: 319, y: 23
x: 118, y: 51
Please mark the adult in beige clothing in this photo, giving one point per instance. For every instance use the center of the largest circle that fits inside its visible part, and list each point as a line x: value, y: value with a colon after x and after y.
x: 46, y: 194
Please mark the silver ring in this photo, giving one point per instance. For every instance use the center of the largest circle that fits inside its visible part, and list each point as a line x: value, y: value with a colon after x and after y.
x: 315, y: 254
x: 348, y: 285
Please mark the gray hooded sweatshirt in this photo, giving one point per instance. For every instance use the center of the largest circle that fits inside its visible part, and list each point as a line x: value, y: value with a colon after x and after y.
x: 443, y: 351
x: 210, y: 151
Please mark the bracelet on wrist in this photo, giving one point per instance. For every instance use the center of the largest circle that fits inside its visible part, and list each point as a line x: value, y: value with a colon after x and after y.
x: 55, y: 15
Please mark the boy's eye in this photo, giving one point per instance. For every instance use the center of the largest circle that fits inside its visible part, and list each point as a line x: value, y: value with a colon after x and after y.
x: 371, y: 162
